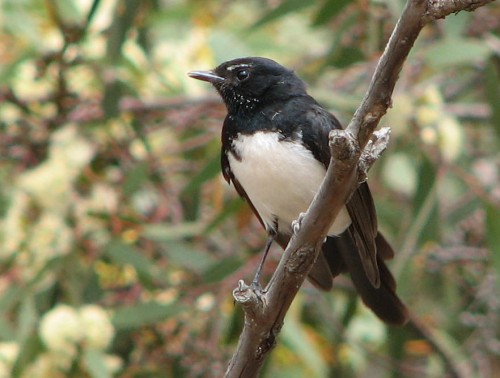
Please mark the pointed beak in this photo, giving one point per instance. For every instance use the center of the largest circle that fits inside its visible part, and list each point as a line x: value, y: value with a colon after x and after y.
x: 209, y: 76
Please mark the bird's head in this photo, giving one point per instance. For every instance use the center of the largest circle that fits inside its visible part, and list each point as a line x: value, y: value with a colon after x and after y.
x: 246, y: 83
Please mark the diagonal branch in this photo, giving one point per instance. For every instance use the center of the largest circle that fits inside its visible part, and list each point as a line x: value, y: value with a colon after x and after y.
x: 265, y: 311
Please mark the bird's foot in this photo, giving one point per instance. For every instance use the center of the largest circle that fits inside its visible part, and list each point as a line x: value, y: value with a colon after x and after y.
x: 297, y: 223
x: 255, y: 285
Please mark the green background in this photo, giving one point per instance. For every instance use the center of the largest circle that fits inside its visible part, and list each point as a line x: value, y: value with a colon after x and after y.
x: 111, y: 193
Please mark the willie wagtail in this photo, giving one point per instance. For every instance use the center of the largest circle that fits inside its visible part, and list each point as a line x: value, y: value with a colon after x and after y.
x: 275, y: 152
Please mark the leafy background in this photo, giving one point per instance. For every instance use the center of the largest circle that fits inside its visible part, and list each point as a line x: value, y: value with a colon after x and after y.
x: 120, y: 243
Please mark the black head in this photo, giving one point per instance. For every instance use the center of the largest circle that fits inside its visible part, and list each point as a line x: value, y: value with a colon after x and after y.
x: 246, y: 83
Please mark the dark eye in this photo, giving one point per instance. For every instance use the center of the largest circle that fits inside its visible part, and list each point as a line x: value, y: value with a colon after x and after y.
x: 243, y: 74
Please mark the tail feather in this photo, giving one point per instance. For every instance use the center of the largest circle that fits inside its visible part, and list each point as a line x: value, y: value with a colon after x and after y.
x: 340, y: 255
x: 383, y: 301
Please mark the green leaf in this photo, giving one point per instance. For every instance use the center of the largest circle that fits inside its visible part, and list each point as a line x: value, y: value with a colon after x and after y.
x: 234, y: 325
x: 124, y: 15
x: 29, y: 350
x: 329, y: 10
x: 493, y: 234
x: 55, y: 264
x: 92, y: 292
x: 28, y: 317
x: 125, y: 254
x: 95, y: 363
x: 7, y: 331
x: 452, y: 347
x: 453, y: 52
x: 456, y: 26
x: 209, y: 171
x: 222, y: 269
x: 10, y: 297
x: 68, y: 11
x: 426, y: 217
x: 111, y: 99
x: 340, y: 55
x: 295, y: 337
x: 399, y: 173
x: 162, y: 232
x: 143, y: 314
x: 285, y: 7
x: 230, y: 208
x: 347, y: 56
x: 135, y: 179
x: 492, y: 88
x: 184, y: 255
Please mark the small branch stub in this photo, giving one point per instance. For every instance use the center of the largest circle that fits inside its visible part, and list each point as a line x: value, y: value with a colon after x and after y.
x: 244, y: 293
x: 373, y: 150
x: 343, y: 145
x: 251, y: 299
x: 442, y: 8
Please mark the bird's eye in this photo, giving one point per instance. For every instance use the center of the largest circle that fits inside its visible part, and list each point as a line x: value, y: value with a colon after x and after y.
x: 242, y: 74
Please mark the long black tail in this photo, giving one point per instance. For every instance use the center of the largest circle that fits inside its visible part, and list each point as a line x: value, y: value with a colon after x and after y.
x: 341, y: 255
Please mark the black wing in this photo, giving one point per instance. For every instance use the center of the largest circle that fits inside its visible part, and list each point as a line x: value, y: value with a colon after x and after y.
x: 361, y: 249
x: 360, y: 206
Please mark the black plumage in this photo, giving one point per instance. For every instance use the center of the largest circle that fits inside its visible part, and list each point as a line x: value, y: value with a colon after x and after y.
x: 275, y: 152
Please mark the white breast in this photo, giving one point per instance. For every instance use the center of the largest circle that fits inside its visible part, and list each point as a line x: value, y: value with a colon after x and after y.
x: 280, y: 178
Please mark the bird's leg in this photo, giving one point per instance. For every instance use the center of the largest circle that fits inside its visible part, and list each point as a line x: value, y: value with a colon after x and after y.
x: 256, y: 279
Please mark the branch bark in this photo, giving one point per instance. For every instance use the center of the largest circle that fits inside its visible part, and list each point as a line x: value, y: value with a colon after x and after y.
x: 265, y: 311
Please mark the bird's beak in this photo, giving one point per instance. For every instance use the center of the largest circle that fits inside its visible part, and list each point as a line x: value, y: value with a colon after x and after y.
x: 209, y: 76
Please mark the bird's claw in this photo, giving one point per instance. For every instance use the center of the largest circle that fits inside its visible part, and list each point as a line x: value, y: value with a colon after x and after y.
x: 255, y: 286
x: 297, y: 223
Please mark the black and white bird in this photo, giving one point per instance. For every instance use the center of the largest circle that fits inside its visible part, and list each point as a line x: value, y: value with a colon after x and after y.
x: 275, y: 152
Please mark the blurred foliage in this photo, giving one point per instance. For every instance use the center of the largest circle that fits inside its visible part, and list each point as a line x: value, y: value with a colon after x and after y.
x: 120, y: 243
